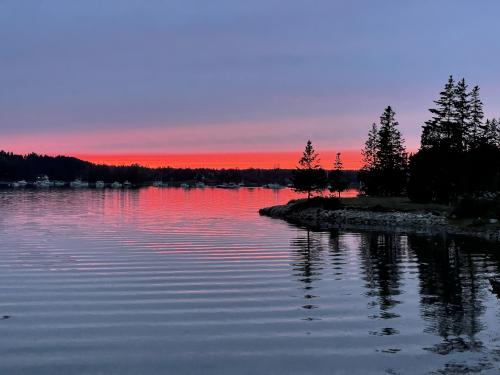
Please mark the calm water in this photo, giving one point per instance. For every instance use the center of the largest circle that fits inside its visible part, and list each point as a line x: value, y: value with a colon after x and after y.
x: 169, y: 281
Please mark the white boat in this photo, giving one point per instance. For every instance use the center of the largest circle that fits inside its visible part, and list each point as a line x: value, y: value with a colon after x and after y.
x: 59, y: 183
x: 99, y: 184
x: 78, y: 183
x: 127, y: 184
x: 21, y: 183
x: 116, y: 185
x: 274, y: 186
x: 231, y: 185
x: 43, y: 182
x: 185, y: 186
x: 158, y: 184
x: 200, y: 185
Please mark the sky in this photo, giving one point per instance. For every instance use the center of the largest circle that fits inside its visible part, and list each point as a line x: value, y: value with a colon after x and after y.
x: 225, y: 77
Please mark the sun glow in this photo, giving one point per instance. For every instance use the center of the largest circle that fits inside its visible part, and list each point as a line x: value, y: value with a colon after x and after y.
x: 265, y: 160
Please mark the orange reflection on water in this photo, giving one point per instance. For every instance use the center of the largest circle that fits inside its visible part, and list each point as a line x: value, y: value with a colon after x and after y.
x: 180, y: 222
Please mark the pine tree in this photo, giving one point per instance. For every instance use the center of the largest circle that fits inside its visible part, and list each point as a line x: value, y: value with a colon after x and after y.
x: 438, y: 132
x: 390, y: 151
x: 461, y: 116
x: 309, y: 177
x: 310, y: 158
x: 476, y: 119
x: 490, y: 133
x: 337, y: 179
x: 391, y: 157
x: 496, y: 133
x: 369, y: 153
x: 384, y: 158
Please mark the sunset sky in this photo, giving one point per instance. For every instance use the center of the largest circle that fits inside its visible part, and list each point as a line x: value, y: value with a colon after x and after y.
x: 231, y: 83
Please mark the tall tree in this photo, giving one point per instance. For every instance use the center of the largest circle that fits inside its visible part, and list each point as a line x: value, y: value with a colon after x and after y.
x: 385, y: 158
x: 461, y: 117
x: 459, y: 154
x: 391, y: 155
x: 336, y: 178
x: 476, y: 118
x: 490, y: 133
x: 438, y: 131
x: 369, y: 152
x: 309, y: 177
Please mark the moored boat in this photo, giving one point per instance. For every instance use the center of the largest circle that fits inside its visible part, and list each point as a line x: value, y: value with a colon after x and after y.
x: 42, y: 182
x: 230, y: 185
x: 78, y: 183
x: 21, y: 183
x: 159, y: 184
x: 273, y: 186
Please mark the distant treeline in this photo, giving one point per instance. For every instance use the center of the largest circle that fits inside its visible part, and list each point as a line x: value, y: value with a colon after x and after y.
x: 459, y: 154
x: 28, y: 167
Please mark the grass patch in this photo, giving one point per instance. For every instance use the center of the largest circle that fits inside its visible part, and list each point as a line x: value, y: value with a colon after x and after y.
x: 325, y: 203
x: 392, y: 204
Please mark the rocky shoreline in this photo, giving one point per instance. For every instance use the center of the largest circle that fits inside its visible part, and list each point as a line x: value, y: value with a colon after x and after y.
x: 354, y: 219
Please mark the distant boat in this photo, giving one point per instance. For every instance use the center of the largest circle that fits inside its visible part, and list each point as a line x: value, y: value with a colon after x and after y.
x: 127, y: 184
x: 99, y: 184
x: 21, y: 183
x: 159, y: 184
x: 185, y: 186
x: 78, y: 183
x: 59, y: 183
x: 200, y: 185
x: 231, y: 185
x: 273, y: 186
x: 116, y: 185
x: 43, y: 182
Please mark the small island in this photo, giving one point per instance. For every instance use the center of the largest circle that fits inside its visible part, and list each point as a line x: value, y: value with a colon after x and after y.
x: 396, y: 214
x: 450, y: 185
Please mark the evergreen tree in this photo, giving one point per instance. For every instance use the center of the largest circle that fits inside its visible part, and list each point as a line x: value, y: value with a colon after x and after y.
x: 476, y: 118
x: 490, y: 133
x: 369, y: 153
x: 385, y: 158
x: 459, y: 154
x: 391, y: 156
x: 496, y: 133
x: 309, y: 177
x: 439, y: 131
x: 461, y: 120
x: 336, y: 178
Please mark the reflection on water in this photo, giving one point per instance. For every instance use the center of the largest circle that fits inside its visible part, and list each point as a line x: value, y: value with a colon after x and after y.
x: 195, y: 282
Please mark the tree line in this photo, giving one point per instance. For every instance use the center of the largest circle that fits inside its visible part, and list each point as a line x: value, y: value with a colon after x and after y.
x: 459, y: 154
x: 15, y: 167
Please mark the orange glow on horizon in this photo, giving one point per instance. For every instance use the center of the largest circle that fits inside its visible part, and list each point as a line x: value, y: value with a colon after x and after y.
x: 264, y: 160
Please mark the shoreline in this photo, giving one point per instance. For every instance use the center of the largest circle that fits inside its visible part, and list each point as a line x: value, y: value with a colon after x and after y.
x: 419, y: 221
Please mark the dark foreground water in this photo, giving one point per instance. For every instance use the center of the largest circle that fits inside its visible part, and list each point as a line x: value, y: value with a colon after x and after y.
x: 169, y: 281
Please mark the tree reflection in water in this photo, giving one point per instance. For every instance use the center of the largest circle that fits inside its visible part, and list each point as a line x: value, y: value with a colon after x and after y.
x: 452, y: 287
x: 450, y: 274
x: 308, y: 264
